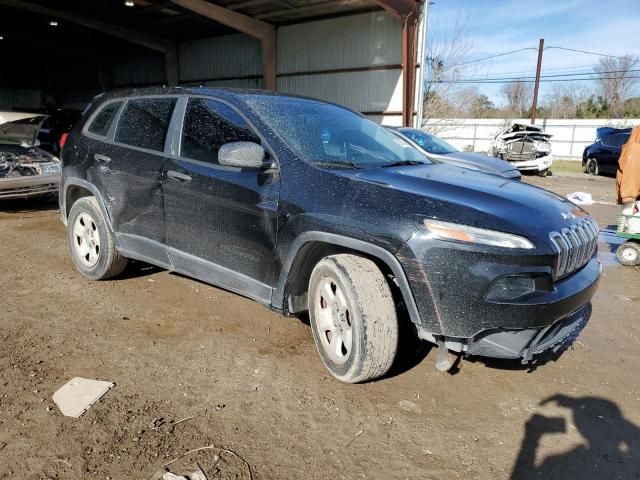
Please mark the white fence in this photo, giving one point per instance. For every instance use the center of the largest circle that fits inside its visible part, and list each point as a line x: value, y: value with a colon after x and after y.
x: 569, y: 139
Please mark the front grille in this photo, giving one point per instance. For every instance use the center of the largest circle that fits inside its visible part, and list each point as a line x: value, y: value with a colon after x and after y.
x: 575, y: 247
x: 521, y: 150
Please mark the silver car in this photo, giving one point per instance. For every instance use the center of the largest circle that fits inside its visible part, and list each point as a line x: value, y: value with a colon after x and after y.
x: 25, y: 169
x: 440, y: 150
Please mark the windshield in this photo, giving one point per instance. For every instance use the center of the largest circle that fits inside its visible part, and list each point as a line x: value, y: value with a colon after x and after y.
x: 430, y: 143
x: 330, y: 136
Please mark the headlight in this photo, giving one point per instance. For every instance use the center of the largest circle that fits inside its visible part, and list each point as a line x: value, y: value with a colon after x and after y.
x: 464, y: 233
x: 49, y: 168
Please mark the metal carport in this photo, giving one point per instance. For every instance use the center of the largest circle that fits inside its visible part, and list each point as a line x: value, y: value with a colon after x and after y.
x: 360, y: 53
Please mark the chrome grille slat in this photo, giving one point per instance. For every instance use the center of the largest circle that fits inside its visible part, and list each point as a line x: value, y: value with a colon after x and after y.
x: 584, y: 247
x: 574, y: 246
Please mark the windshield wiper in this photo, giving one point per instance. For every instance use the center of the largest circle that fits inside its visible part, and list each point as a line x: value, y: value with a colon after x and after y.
x: 403, y: 163
x: 337, y: 164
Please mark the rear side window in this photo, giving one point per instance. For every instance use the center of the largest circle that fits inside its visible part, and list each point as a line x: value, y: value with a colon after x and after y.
x: 144, y: 123
x: 208, y: 125
x: 617, y: 140
x: 103, y: 120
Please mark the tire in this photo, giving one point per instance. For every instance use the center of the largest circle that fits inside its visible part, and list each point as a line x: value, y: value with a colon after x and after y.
x: 543, y: 173
x: 353, y: 318
x: 91, y: 243
x: 592, y: 167
x: 629, y: 254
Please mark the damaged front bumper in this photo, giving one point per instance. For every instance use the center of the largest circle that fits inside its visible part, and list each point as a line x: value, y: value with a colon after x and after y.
x: 536, y: 165
x: 452, y: 288
x: 29, y: 186
x: 526, y: 343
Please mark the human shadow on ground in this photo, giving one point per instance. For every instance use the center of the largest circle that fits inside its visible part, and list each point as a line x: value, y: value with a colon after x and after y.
x: 610, y: 447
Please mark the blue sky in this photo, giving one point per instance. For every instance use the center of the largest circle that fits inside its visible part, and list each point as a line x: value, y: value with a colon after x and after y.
x: 496, y: 26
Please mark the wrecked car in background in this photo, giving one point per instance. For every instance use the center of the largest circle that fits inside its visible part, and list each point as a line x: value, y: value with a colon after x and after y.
x: 526, y: 147
x: 25, y: 169
x: 307, y: 206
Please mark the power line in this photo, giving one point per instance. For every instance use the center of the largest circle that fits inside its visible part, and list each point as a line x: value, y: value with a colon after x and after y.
x: 574, y: 74
x: 584, y: 51
x: 493, y: 56
x: 547, y: 80
x: 549, y: 69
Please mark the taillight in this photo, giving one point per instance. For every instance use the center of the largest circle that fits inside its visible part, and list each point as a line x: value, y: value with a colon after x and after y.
x: 63, y: 140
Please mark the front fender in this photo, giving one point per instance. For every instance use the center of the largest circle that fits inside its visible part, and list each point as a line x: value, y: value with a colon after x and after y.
x: 385, y: 256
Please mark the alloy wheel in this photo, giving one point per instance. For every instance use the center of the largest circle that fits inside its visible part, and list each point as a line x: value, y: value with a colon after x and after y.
x: 86, y: 239
x: 333, y: 320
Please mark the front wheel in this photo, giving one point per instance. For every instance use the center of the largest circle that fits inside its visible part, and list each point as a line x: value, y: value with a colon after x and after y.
x: 629, y: 254
x: 592, y: 167
x: 353, y: 318
x: 543, y: 173
x: 91, y: 242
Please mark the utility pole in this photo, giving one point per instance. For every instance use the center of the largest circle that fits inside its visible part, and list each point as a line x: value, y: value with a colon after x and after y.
x: 537, y: 84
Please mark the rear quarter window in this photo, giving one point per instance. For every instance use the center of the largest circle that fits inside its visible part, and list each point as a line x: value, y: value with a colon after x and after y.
x: 144, y: 123
x: 102, y: 121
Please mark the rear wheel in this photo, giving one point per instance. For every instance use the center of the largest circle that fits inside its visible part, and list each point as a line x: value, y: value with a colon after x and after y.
x: 629, y: 254
x: 592, y: 166
x: 353, y: 318
x: 91, y: 242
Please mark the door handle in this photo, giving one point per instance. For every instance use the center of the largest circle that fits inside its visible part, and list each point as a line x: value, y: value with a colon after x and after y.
x: 101, y: 158
x: 178, y: 177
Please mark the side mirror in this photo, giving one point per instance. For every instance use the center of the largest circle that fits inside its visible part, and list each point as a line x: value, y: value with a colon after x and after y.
x: 242, y: 155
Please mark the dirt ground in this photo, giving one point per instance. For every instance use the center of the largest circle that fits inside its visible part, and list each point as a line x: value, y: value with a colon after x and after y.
x: 254, y: 384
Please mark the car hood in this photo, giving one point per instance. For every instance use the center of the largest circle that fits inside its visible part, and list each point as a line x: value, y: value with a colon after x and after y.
x: 475, y: 161
x: 475, y: 198
x: 20, y: 127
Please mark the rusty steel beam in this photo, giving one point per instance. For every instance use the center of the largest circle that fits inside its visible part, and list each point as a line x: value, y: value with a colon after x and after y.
x: 263, y: 31
x: 409, y: 30
x: 400, y: 8
x: 407, y: 11
x: 166, y: 47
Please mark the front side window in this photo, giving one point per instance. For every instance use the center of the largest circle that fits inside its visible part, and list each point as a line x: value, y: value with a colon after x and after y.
x: 102, y: 121
x: 330, y: 136
x: 209, y: 124
x: 144, y: 123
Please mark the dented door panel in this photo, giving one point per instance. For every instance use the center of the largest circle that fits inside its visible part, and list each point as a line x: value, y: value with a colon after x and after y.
x: 224, y: 216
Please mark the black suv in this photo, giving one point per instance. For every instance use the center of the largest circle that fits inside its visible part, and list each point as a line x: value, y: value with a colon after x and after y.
x: 304, y: 206
x: 602, y: 155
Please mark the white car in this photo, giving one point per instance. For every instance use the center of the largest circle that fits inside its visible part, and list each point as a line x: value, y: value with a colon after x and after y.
x: 25, y: 169
x: 526, y: 147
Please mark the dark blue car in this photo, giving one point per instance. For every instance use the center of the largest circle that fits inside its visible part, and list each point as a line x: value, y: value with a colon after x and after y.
x: 601, y: 157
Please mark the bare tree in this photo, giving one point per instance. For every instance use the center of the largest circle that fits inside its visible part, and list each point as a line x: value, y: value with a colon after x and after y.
x: 616, y: 81
x: 445, y: 64
x: 564, y: 98
x: 518, y: 97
